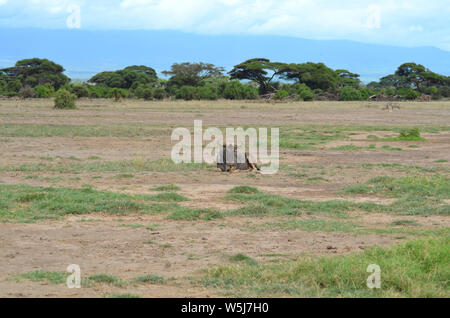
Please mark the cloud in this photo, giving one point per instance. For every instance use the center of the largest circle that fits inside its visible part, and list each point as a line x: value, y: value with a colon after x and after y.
x: 2, y: 2
x: 402, y: 22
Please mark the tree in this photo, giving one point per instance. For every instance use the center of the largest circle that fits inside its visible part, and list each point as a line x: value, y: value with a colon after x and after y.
x: 143, y: 69
x: 33, y: 72
x: 192, y: 74
x: 314, y: 75
x: 346, y: 78
x: 259, y: 70
x: 129, y: 77
x: 412, y: 72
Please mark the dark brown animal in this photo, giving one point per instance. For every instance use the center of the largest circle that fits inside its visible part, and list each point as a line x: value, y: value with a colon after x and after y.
x: 230, y: 162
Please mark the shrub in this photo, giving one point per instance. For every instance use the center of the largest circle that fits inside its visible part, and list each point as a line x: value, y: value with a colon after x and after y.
x: 186, y: 92
x: 44, y: 91
x: 26, y: 92
x: 64, y: 99
x: 159, y: 93
x: 305, y: 93
x: 281, y: 94
x: 147, y: 93
x: 348, y: 93
x: 80, y: 90
x: 408, y: 93
x: 237, y: 90
x: 207, y: 92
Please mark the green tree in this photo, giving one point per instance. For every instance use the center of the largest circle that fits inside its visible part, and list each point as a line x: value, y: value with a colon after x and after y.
x: 129, y: 77
x: 314, y: 75
x: 346, y: 78
x: 192, y: 74
x: 33, y: 72
x: 261, y: 71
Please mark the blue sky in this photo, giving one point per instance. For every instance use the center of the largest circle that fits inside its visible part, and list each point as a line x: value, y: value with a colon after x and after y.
x: 394, y: 22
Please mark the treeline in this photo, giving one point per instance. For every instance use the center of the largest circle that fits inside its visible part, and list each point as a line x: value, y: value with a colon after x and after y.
x: 252, y: 79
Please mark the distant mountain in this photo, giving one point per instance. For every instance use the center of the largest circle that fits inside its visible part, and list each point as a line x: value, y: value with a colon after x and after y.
x: 84, y: 53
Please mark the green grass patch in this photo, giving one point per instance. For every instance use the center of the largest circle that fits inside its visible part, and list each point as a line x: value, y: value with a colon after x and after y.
x: 261, y: 204
x: 406, y: 134
x: 149, y: 279
x: 21, y: 203
x: 315, y: 225
x: 418, y: 195
x: 185, y: 213
x: 122, y: 166
x: 50, y: 130
x: 124, y: 176
x: 106, y: 279
x: 405, y: 223
x: 243, y: 258
x: 243, y: 190
x: 168, y: 187
x: 348, y: 147
x: 415, y: 269
x: 39, y: 276
x: 169, y: 197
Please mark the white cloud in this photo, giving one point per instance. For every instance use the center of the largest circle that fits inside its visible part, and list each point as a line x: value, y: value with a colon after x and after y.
x: 2, y: 2
x: 402, y: 22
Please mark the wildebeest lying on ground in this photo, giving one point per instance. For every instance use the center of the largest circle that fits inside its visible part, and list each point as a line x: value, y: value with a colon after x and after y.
x: 231, y: 160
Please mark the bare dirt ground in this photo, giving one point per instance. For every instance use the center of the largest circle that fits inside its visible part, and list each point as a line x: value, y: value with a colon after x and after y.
x: 179, y: 250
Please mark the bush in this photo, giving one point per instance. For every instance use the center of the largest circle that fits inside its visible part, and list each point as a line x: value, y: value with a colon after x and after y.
x: 186, y: 92
x: 147, y: 93
x: 65, y: 99
x: 207, y: 92
x: 26, y: 92
x: 305, y: 93
x: 44, y: 91
x: 159, y: 93
x: 80, y: 90
x: 348, y: 93
x: 237, y: 90
x: 408, y: 93
x: 281, y: 94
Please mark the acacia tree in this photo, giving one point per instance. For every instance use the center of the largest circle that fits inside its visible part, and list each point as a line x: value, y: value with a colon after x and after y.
x: 314, y: 75
x: 347, y: 78
x: 192, y: 74
x: 259, y: 70
x: 126, y: 78
x: 35, y: 71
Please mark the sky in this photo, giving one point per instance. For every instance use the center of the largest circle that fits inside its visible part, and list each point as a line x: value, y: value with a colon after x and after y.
x: 409, y: 23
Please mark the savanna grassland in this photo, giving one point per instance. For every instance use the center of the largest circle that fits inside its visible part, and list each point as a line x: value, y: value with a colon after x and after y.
x: 95, y: 186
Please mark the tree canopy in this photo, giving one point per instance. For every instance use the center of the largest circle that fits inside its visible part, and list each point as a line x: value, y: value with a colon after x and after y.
x: 126, y: 78
x: 259, y: 70
x: 192, y: 74
x: 35, y: 71
x: 314, y: 75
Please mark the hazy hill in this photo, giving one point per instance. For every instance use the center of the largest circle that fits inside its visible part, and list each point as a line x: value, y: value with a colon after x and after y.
x: 84, y: 53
